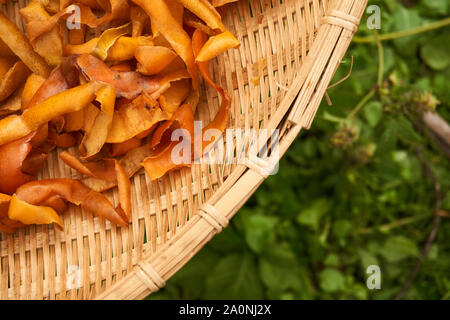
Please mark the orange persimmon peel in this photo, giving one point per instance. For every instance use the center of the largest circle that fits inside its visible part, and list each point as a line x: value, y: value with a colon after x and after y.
x: 105, y: 169
x: 13, y: 155
x: 44, y: 193
x: 173, y: 31
x: 115, y: 93
x: 161, y: 163
x: 16, y: 213
x: 134, y: 118
x: 220, y: 120
x: 17, y: 126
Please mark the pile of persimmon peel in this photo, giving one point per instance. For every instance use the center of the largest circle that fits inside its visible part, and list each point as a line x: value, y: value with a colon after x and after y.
x: 109, y: 79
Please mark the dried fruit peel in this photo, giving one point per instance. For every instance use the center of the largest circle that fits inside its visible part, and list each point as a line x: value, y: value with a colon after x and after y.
x: 116, y: 95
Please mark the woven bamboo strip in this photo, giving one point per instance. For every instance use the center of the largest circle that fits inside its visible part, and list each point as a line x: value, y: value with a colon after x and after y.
x: 285, y: 45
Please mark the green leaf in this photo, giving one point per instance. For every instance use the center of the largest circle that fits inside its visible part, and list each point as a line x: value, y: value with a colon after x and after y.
x: 406, y: 130
x: 311, y: 215
x: 228, y: 240
x: 446, y: 202
x: 373, y: 112
x: 388, y: 138
x: 433, y: 254
x: 398, y: 248
x: 280, y: 271
x: 367, y: 259
x: 259, y: 231
x: 192, y: 275
x: 435, y: 52
x: 287, y: 296
x: 436, y: 6
x: 331, y: 280
x: 440, y: 84
x: 341, y: 229
x: 234, y: 277
x: 389, y: 58
x: 332, y: 260
x: 405, y: 19
x: 358, y: 291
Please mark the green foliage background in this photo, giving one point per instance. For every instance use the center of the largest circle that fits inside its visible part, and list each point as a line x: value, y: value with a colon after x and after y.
x: 351, y: 192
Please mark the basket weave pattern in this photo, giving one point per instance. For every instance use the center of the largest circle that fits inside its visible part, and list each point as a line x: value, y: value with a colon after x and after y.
x: 277, y: 78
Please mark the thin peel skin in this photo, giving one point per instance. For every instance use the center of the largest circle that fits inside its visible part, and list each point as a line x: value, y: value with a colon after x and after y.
x: 116, y: 98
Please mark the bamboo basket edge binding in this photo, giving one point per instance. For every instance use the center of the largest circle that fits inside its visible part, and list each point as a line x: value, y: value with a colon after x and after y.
x: 333, y: 31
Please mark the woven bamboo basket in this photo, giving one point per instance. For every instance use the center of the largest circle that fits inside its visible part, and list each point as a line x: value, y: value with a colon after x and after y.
x: 277, y: 78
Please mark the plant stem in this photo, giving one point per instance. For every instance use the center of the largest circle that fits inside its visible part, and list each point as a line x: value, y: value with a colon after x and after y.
x: 388, y: 227
x: 361, y: 104
x: 405, y: 33
x: 380, y: 58
x: 371, y: 93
